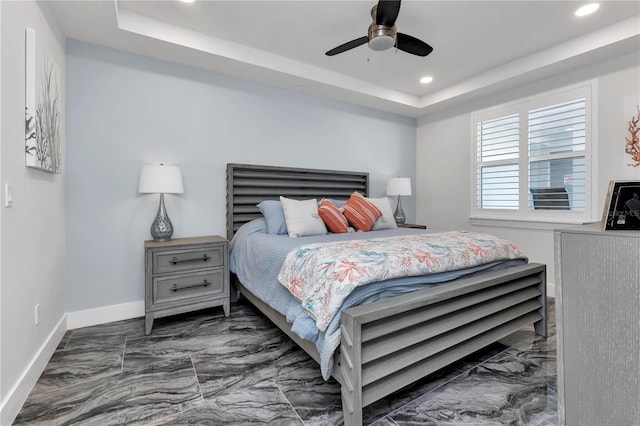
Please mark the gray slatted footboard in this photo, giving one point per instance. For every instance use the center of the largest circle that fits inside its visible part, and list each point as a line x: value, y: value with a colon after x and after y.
x: 390, y: 344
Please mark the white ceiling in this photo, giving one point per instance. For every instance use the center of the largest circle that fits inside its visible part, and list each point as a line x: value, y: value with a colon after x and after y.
x: 478, y: 45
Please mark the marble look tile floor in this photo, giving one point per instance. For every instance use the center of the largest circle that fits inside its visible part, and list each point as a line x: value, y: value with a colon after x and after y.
x: 205, y: 369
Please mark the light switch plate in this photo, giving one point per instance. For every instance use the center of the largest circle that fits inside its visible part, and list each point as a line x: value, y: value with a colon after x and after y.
x: 8, y: 194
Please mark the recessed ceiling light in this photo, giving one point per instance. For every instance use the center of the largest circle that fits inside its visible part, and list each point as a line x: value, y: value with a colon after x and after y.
x: 587, y: 9
x: 187, y: 1
x: 426, y: 79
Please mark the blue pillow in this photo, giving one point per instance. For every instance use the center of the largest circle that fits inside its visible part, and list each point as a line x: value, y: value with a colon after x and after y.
x: 274, y: 216
x: 338, y: 203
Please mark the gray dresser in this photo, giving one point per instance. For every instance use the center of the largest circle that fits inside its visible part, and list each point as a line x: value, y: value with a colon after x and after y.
x: 598, y: 322
x: 185, y: 274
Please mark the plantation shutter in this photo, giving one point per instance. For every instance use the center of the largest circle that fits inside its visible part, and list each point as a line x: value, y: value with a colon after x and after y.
x: 557, y: 152
x: 497, y: 158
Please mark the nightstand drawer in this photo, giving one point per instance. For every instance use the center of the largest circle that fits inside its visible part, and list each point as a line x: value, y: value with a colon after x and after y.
x: 179, y: 287
x: 180, y: 260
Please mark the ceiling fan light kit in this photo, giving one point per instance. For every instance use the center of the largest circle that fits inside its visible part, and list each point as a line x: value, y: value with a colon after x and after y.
x: 381, y: 37
x: 382, y: 33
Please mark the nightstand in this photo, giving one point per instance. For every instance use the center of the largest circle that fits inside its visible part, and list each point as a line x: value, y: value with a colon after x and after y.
x: 412, y: 225
x: 185, y: 274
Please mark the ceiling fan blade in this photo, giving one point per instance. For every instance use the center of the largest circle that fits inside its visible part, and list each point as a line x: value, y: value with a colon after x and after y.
x: 348, y: 45
x: 412, y: 45
x: 387, y: 12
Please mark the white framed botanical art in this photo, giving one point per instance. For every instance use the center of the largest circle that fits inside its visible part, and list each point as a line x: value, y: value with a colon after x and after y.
x: 43, y: 108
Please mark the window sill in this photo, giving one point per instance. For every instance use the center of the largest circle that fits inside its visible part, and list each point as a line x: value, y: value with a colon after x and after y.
x: 525, y: 223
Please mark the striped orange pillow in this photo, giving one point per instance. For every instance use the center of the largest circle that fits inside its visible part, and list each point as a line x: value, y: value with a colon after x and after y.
x: 332, y: 217
x: 361, y: 213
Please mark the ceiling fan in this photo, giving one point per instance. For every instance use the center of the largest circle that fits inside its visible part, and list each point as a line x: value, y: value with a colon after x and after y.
x: 382, y: 33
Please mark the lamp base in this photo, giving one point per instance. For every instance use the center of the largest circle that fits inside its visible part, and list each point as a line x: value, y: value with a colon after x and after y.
x: 398, y: 215
x: 161, y: 228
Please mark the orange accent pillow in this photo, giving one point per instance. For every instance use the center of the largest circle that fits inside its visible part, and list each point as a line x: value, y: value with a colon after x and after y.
x: 332, y: 217
x: 360, y: 213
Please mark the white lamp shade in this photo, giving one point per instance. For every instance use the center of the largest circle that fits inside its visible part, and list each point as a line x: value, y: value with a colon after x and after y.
x: 399, y: 186
x: 160, y: 179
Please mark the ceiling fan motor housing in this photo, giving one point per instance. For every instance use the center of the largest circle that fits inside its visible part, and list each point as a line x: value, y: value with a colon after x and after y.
x: 381, y: 37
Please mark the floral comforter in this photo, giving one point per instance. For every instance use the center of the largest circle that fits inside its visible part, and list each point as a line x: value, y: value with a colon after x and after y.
x: 322, y: 275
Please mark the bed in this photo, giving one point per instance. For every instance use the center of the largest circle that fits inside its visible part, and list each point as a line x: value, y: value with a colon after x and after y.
x: 387, y: 345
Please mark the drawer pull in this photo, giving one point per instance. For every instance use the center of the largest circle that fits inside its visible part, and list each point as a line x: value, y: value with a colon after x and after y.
x: 204, y: 258
x: 202, y: 284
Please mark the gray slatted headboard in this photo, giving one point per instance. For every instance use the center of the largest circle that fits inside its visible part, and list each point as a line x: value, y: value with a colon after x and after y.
x: 248, y: 185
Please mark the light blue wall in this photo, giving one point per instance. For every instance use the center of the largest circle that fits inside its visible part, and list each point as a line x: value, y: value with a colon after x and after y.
x: 125, y: 110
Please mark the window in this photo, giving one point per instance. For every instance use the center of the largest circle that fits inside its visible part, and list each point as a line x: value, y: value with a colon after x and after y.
x: 533, y: 158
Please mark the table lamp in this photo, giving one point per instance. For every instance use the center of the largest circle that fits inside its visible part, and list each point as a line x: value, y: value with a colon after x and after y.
x: 161, y: 179
x: 399, y: 186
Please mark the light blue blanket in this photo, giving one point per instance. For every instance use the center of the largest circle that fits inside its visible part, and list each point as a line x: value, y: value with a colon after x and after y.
x: 257, y: 257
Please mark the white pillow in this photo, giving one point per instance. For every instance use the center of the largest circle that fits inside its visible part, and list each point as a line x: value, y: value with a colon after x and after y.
x: 302, y: 217
x: 386, y: 221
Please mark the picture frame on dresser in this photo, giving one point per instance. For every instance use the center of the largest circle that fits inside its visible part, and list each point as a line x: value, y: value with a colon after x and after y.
x: 622, y: 206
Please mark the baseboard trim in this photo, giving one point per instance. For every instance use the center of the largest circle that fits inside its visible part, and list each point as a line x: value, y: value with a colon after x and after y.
x: 104, y: 314
x: 551, y: 290
x: 17, y: 396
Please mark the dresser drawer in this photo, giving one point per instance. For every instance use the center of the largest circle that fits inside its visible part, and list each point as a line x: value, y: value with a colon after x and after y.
x: 196, y: 285
x: 181, y: 260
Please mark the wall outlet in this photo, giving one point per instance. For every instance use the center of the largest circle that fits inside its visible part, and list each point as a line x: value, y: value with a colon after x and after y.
x: 37, y: 314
